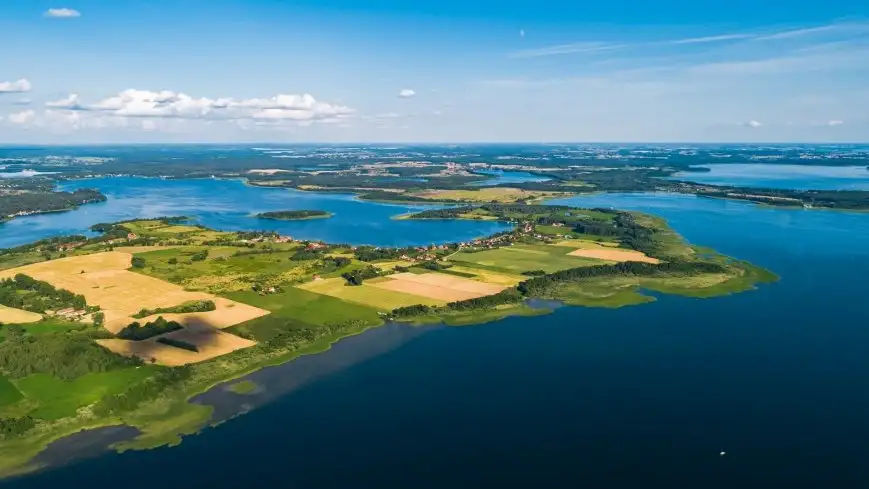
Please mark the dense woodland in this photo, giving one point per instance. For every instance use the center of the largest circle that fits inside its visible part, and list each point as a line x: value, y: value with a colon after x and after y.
x: 29, y: 202
x: 65, y: 355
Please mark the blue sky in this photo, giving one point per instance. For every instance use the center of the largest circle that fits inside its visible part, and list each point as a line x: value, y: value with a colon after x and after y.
x: 449, y: 70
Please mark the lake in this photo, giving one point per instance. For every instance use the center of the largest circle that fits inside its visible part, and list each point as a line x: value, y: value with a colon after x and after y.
x: 767, y: 175
x: 229, y: 205
x: 630, y: 398
x: 500, y: 177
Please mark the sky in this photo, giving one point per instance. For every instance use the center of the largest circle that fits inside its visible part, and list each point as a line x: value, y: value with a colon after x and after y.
x: 94, y: 71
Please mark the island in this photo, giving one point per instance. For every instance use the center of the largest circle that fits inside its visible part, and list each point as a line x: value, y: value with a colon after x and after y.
x: 126, y: 327
x: 295, y: 215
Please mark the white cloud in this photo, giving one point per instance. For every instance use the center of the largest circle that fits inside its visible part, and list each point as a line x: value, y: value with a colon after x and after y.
x: 18, y: 86
x: 62, y: 13
x: 22, y: 101
x: 406, y: 93
x: 70, y: 102
x: 23, y: 117
x: 834, y: 123
x: 175, y: 105
x: 753, y: 123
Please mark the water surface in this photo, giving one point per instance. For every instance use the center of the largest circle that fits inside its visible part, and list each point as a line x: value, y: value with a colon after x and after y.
x: 630, y: 398
x: 799, y: 177
x: 230, y: 205
x: 500, y: 177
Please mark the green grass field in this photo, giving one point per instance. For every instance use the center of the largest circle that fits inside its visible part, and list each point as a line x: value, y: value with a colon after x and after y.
x: 295, y: 308
x: 52, y: 325
x: 524, y: 258
x: 57, y: 398
x: 9, y: 394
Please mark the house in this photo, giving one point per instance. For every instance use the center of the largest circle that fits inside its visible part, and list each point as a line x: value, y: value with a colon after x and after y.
x: 132, y: 236
x: 558, y: 224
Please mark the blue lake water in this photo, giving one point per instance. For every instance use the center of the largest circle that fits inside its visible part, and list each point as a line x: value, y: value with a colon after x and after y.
x: 631, y: 398
x: 801, y: 177
x: 230, y: 205
x: 501, y: 177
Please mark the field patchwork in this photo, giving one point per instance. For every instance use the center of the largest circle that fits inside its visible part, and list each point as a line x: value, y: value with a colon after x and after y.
x: 104, y: 280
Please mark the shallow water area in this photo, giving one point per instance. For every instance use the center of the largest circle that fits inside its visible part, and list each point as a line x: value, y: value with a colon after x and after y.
x: 766, y: 175
x: 231, y: 205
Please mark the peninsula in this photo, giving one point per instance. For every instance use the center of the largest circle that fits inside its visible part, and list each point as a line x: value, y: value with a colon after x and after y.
x: 126, y: 327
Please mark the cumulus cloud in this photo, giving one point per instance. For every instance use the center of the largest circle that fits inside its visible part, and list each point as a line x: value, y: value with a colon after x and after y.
x: 753, y: 124
x: 23, y: 117
x: 18, y: 86
x: 62, y: 13
x: 175, y: 105
x: 406, y: 93
x: 835, y: 123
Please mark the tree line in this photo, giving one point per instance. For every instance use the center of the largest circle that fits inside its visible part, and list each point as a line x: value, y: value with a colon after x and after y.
x: 137, y: 332
x: 25, y: 292
x: 190, y: 306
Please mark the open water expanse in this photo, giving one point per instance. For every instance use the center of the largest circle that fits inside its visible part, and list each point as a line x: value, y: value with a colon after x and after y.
x: 768, y: 175
x: 638, y: 397
x: 230, y: 205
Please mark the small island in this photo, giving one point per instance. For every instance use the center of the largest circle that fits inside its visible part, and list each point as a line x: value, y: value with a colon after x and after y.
x: 295, y: 215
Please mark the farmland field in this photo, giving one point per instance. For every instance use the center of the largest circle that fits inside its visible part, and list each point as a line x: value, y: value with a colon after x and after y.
x: 524, y: 258
x: 438, y: 286
x: 369, y: 295
x: 10, y: 315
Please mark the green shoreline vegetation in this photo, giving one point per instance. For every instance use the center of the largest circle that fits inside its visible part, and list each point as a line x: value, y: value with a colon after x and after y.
x: 296, y: 215
x: 56, y: 381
